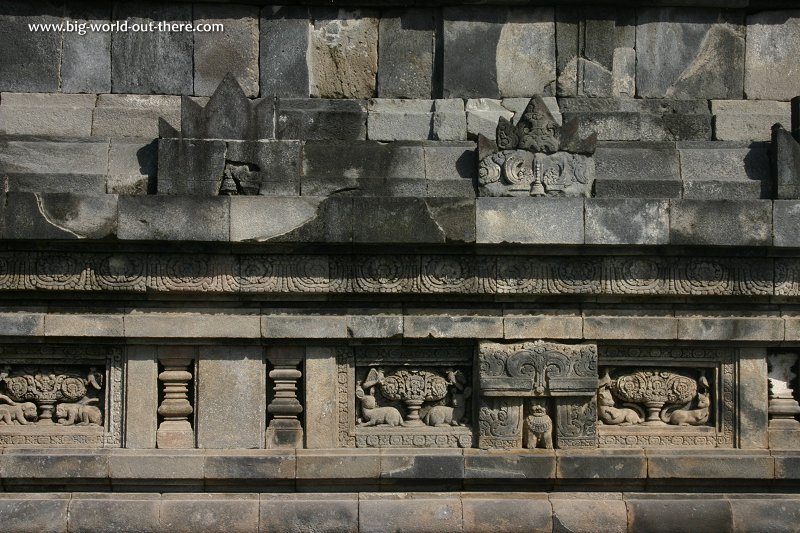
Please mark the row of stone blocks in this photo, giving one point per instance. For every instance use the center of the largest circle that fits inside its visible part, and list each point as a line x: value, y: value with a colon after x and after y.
x: 425, y: 512
x: 613, y: 119
x: 483, y: 51
x: 342, y: 219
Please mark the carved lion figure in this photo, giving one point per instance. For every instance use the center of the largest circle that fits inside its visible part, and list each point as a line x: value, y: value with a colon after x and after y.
x: 79, y: 414
x: 18, y: 412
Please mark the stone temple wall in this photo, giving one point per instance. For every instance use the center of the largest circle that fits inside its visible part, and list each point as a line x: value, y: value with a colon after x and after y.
x: 351, y: 266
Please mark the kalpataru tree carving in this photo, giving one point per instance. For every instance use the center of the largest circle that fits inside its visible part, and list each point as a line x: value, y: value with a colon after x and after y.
x: 46, y: 399
x: 559, y: 383
x: 536, y: 157
x: 666, y: 397
x: 653, y: 397
x: 405, y: 397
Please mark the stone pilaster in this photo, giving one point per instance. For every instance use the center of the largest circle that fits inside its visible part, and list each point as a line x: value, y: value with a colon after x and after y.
x: 285, y: 429
x: 175, y: 430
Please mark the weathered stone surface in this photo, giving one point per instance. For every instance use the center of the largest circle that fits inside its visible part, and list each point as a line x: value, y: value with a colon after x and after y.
x: 710, y: 465
x: 146, y: 465
x: 480, y: 465
x: 587, y: 516
x: 414, y: 220
x: 321, y: 120
x: 747, y: 328
x: 60, y: 216
x: 483, y: 115
x: 316, y: 466
x: 19, y: 467
x: 556, y: 220
x: 343, y: 53
x: 412, y: 513
x: 624, y: 72
x: 83, y: 325
x: 725, y: 190
x: 132, y: 165
x: 422, y: 464
x: 424, y: 324
x: 541, y: 324
x: 684, y: 53
x: 691, y: 516
x: 86, y: 59
x: 34, y: 157
x: 291, y: 219
x: 284, y: 44
x: 567, y: 43
x: 627, y: 221
x: 168, y: 58
x: 234, y: 50
x: 46, y: 114
x: 770, y: 514
x: 194, y: 512
x: 637, y: 161
x: 321, y: 375
x: 30, y: 61
x: 405, y: 53
x: 451, y: 161
x: 399, y: 120
x: 272, y: 167
x: 770, y: 68
x: 142, y: 397
x: 222, y: 420
x: 625, y: 188
x: 516, y: 47
x: 753, y: 397
x: 35, y: 513
x: 602, y: 464
x: 190, y: 167
x: 628, y: 324
x: 123, y: 115
x: 747, y: 120
x: 786, y: 223
x: 785, y: 155
x: 724, y: 161
x: 237, y: 466
x: 512, y: 514
x: 721, y: 223
x: 286, y: 513
x: 22, y: 324
x: 90, y: 512
x: 179, y: 218
x: 195, y: 324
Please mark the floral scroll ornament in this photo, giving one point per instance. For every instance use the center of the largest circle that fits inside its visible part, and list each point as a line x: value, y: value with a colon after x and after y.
x: 414, y: 387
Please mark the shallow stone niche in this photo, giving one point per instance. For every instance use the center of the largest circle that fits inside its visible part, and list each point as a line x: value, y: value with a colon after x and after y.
x: 60, y: 396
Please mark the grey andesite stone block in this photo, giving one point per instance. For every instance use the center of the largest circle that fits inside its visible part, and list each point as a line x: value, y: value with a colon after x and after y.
x: 785, y: 155
x: 174, y: 218
x: 744, y: 120
x: 291, y: 219
x: 134, y: 115
x: 190, y: 166
x: 284, y: 44
x: 60, y: 216
x: 786, y: 223
x: 47, y: 114
x: 343, y: 53
x: 44, y: 157
x: 529, y: 220
x: 86, y: 59
x: 508, y: 513
x: 405, y: 53
x: 222, y: 420
x: 433, y: 513
x: 90, y: 512
x: 188, y: 513
x: 587, y: 516
x: 689, y: 53
x: 627, y: 221
x: 234, y: 50
x: 143, y: 64
x: 30, y: 61
x: 31, y: 512
x: 771, y: 69
x: 637, y: 161
x: 414, y: 220
x: 142, y: 397
x: 689, y: 515
x: 322, y: 120
x: 721, y: 223
x: 515, y: 49
x: 287, y: 513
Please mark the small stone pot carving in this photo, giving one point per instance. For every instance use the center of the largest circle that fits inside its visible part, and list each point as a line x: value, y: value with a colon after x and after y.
x: 654, y: 389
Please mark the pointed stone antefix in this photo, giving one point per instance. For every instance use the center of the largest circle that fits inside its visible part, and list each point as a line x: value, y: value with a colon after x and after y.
x: 285, y: 430
x: 229, y: 114
x: 175, y: 430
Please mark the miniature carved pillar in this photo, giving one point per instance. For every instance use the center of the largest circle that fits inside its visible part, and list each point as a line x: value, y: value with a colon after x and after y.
x: 175, y: 430
x: 285, y: 429
x: 783, y: 408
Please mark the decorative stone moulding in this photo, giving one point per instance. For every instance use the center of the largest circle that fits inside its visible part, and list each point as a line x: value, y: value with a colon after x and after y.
x: 538, y: 395
x: 405, y: 397
x: 61, y: 396
x: 400, y: 274
x: 536, y: 157
x: 667, y: 397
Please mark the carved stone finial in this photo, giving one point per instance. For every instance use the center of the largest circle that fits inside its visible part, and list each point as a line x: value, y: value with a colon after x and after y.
x: 175, y: 430
x: 285, y: 430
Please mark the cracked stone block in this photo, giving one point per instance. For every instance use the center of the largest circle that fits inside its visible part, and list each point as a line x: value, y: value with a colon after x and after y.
x: 343, y: 53
x: 46, y: 157
x: 318, y: 119
x: 131, y: 166
x: 585, y: 515
x: 60, y: 216
x: 399, y: 120
x: 689, y: 53
x: 405, y: 53
x: 745, y: 120
x: 190, y: 166
x: 284, y: 44
x: 265, y: 167
x: 29, y: 61
x: 513, y: 48
x: 291, y: 219
x: 483, y: 114
x: 174, y: 218
x: 142, y: 64
x: 773, y: 45
x: 414, y: 220
x: 234, y: 50
x: 86, y: 59
x: 786, y: 163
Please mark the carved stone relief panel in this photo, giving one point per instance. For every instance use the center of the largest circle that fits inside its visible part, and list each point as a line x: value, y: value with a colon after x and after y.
x: 666, y: 397
x: 537, y: 395
x: 406, y: 396
x: 60, y: 396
